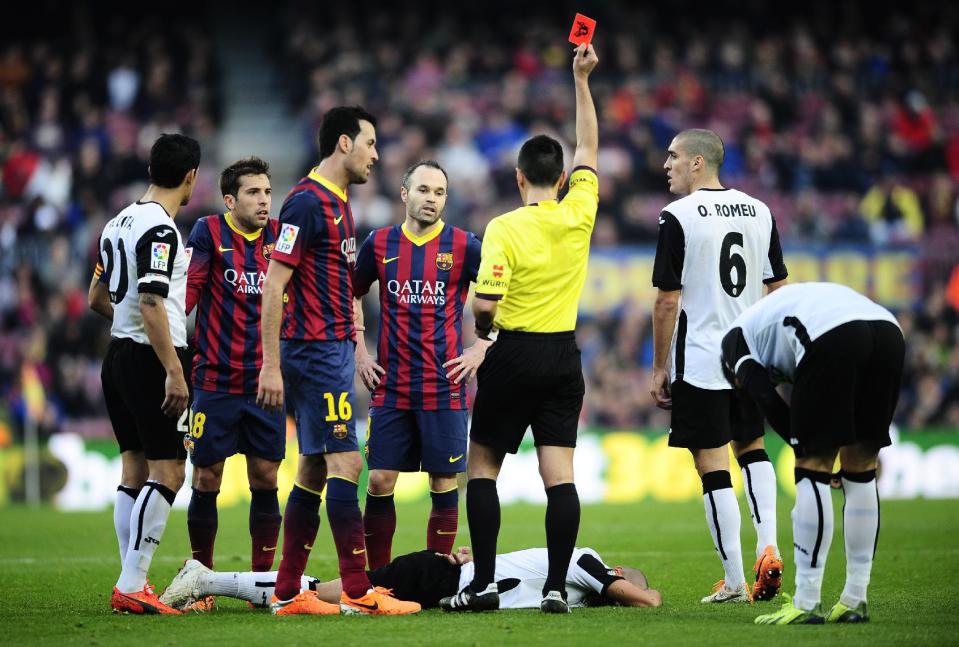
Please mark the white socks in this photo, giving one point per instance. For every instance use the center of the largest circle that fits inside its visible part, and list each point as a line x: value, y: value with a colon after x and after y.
x: 759, y: 483
x: 147, y: 522
x: 126, y: 497
x: 722, y: 517
x: 812, y: 535
x: 250, y: 586
x: 860, y: 522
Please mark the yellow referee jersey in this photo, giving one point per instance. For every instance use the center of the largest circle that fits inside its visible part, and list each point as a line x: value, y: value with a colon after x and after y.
x: 535, y: 258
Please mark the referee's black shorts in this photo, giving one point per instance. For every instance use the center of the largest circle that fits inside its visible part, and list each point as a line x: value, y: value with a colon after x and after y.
x: 846, y: 387
x: 134, y: 387
x: 529, y: 380
x: 705, y: 418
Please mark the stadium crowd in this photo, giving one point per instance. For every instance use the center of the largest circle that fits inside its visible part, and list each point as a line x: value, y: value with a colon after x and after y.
x: 851, y: 135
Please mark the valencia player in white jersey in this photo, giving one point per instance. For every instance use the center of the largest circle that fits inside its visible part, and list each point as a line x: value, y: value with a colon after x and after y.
x: 718, y: 252
x: 427, y: 577
x: 140, y: 285
x: 843, y: 355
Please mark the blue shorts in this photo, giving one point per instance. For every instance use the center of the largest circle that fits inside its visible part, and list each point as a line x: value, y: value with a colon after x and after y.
x: 408, y: 441
x: 318, y: 382
x: 223, y: 424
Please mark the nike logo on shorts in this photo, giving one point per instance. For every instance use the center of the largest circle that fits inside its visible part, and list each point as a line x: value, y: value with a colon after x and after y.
x: 453, y: 459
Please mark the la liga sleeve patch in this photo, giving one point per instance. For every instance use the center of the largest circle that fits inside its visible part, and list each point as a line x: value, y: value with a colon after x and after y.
x: 160, y: 256
x: 287, y: 238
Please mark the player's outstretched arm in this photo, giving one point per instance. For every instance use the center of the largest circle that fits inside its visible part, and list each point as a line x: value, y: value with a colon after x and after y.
x: 269, y: 392
x: 366, y: 367
x: 629, y: 595
x: 587, y: 126
x: 157, y: 327
x: 98, y: 298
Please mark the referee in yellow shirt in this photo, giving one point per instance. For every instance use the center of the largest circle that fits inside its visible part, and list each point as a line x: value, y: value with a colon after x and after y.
x: 527, y: 294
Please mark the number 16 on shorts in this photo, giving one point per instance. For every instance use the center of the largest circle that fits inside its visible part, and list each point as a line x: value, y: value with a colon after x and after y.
x: 339, y: 411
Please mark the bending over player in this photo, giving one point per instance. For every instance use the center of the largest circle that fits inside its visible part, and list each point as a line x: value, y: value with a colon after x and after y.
x: 427, y: 577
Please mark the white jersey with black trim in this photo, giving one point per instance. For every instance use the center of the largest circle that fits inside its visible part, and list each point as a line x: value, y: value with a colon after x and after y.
x: 778, y: 328
x: 141, y: 252
x: 521, y: 575
x: 719, y: 246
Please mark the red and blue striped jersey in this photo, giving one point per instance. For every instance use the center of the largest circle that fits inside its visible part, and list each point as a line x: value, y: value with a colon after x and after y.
x: 224, y: 282
x: 423, y: 286
x: 318, y: 239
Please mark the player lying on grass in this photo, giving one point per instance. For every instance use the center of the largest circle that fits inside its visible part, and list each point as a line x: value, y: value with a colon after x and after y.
x: 426, y: 577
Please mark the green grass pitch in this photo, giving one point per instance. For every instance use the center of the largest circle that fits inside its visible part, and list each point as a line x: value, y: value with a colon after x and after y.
x: 57, y: 571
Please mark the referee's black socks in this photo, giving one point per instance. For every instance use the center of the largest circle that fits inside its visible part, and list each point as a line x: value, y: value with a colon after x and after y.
x: 483, y: 514
x: 562, y: 527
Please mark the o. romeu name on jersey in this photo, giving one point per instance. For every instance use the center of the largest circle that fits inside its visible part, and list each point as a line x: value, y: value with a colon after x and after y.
x: 424, y: 282
x: 728, y: 210
x: 317, y: 237
x: 227, y: 270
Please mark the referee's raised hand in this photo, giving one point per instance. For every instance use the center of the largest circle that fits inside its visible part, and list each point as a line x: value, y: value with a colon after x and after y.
x: 584, y: 60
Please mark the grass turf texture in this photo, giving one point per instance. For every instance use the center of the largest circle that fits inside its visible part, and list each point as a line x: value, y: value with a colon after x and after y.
x: 57, y: 571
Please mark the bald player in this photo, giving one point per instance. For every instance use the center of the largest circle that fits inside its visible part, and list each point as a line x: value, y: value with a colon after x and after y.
x: 717, y: 250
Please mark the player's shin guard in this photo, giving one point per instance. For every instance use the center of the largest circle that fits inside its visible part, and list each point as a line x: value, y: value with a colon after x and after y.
x: 201, y: 523
x: 346, y: 523
x: 562, y: 527
x: 483, y: 516
x: 860, y: 524
x: 812, y: 535
x: 722, y: 516
x: 759, y: 477
x: 147, y: 523
x: 126, y: 497
x: 444, y: 517
x: 265, y: 522
x: 379, y: 525
x: 301, y: 520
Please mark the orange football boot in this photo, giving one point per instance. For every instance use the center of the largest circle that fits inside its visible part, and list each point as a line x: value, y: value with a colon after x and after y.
x: 769, y: 575
x: 305, y: 603
x: 377, y: 602
x: 145, y: 601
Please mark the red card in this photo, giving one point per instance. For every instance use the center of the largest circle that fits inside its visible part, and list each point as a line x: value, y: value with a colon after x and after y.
x: 582, y: 31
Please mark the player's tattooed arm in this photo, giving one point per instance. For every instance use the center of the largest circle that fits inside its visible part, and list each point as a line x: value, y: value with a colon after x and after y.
x: 157, y: 327
x: 98, y: 298
x: 366, y: 367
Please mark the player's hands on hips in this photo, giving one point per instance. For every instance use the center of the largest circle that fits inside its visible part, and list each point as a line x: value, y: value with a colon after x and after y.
x: 269, y: 390
x: 584, y: 60
x: 367, y: 369
x: 177, y: 396
x: 465, y: 366
x: 659, y: 389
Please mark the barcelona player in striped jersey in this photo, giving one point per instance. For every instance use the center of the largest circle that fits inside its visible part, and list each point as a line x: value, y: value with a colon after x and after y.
x: 418, y: 415
x: 229, y: 253
x: 311, y: 269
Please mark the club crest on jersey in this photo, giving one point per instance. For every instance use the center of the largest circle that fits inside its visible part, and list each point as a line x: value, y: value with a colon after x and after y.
x: 160, y: 257
x: 339, y: 431
x: 268, y: 250
x: 444, y: 261
x: 288, y: 234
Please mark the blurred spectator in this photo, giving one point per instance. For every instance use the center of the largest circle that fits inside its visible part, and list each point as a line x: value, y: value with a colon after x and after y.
x: 893, y: 211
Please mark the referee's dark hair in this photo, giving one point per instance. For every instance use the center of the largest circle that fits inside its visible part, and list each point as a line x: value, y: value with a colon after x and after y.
x: 541, y: 160
x: 342, y: 120
x: 230, y: 177
x: 171, y: 158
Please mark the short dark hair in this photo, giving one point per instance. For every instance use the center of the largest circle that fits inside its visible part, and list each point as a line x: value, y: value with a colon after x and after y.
x: 171, y: 158
x: 699, y: 141
x: 230, y: 177
x: 428, y: 164
x: 342, y: 120
x: 541, y: 160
